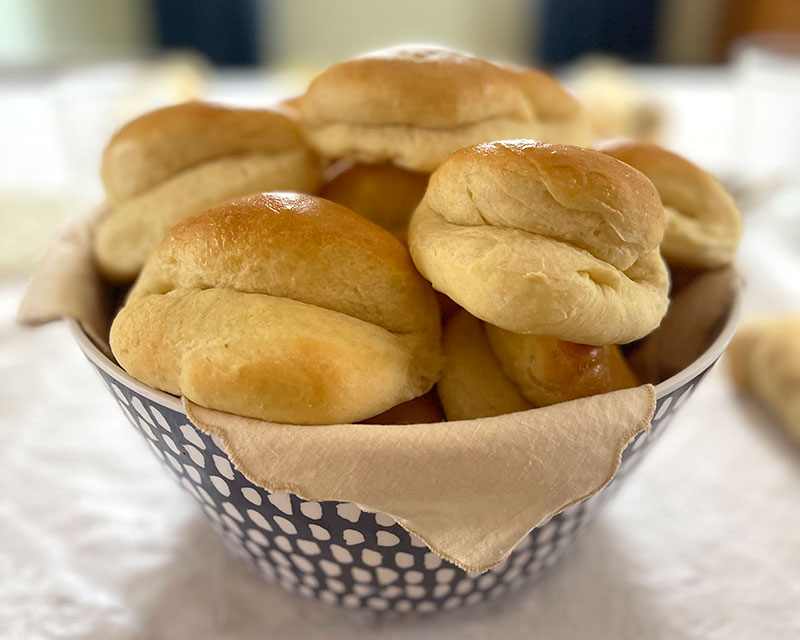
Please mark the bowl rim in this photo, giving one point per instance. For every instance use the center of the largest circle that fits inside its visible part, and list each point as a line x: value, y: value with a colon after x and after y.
x: 663, y: 389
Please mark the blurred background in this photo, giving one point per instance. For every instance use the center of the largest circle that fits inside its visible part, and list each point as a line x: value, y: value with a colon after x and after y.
x: 716, y: 80
x: 53, y: 33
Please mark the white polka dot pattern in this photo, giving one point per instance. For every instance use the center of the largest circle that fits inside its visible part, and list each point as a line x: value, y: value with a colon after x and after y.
x: 337, y: 553
x: 352, y: 537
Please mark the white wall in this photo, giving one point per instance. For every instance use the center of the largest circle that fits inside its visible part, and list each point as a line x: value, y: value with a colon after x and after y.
x: 315, y: 33
x: 36, y: 32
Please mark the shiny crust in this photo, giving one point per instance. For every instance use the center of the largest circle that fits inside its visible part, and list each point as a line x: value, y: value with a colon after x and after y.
x: 413, y: 105
x: 548, y: 371
x: 545, y: 239
x: 325, y: 302
x: 488, y: 371
x: 702, y: 223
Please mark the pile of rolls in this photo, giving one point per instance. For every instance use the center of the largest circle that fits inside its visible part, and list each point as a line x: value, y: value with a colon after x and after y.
x: 422, y: 235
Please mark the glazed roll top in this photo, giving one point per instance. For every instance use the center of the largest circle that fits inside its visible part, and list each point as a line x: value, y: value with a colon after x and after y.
x: 702, y: 222
x: 411, y: 106
x: 544, y: 239
x: 178, y: 161
x: 282, y: 307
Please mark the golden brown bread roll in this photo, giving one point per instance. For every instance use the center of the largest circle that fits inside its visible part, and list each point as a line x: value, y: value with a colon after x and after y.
x: 383, y: 193
x: 488, y: 371
x: 548, y: 371
x: 423, y: 410
x: 702, y: 223
x: 174, y: 162
x: 411, y: 106
x: 551, y: 240
x: 472, y: 384
x: 282, y: 307
x: 764, y: 358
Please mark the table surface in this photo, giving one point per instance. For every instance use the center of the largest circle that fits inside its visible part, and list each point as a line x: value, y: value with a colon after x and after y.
x: 97, y: 542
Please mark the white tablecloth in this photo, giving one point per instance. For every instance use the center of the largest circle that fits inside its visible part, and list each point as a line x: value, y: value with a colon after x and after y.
x: 97, y: 542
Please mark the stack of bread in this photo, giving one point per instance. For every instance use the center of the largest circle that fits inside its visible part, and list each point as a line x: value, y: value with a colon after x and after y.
x: 389, y: 119
x: 312, y: 299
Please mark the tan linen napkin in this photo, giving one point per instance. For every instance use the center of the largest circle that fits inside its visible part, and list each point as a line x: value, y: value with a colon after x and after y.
x: 470, y: 490
x: 65, y: 283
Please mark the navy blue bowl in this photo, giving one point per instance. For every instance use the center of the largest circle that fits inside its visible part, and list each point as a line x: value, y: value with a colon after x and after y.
x: 334, y: 551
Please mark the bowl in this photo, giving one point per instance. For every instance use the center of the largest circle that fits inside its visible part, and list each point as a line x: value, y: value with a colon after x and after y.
x: 335, y: 552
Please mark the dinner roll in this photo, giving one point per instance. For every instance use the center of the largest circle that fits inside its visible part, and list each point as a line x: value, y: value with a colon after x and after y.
x: 472, y: 384
x: 282, y: 307
x: 488, y: 371
x: 765, y: 358
x: 551, y: 240
x: 177, y: 161
x: 383, y: 193
x: 548, y: 371
x: 411, y: 106
x: 702, y: 223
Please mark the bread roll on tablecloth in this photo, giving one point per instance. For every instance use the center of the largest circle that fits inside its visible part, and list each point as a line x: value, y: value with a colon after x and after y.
x: 282, y: 307
x: 702, y: 223
x: 177, y: 161
x: 764, y: 358
x: 550, y: 240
